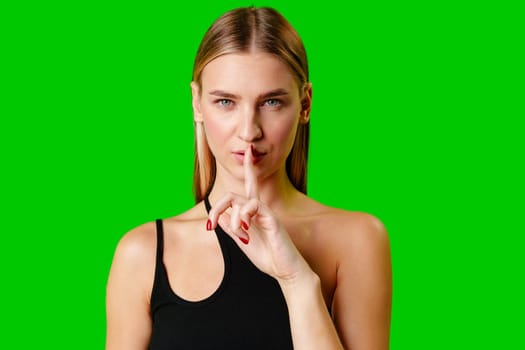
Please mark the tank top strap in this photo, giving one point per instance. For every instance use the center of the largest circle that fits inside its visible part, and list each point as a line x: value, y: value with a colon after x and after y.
x: 207, y: 204
x: 160, y: 294
x: 225, y: 241
x: 228, y: 246
x: 160, y: 242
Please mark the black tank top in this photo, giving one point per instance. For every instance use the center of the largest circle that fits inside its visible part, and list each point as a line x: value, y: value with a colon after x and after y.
x: 247, y: 311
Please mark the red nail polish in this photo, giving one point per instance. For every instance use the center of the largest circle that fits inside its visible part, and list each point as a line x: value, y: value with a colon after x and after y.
x: 208, y: 225
x: 245, y: 226
x: 244, y: 240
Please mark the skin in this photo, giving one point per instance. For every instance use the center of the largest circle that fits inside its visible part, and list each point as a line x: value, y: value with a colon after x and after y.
x: 333, y: 266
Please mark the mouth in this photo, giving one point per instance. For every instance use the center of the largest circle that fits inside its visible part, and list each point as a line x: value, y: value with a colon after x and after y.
x: 256, y: 154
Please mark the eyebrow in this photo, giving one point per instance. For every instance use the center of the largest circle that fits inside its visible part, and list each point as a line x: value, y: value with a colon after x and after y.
x: 270, y: 94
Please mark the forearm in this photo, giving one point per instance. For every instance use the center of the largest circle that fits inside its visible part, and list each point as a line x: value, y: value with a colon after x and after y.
x: 310, y: 321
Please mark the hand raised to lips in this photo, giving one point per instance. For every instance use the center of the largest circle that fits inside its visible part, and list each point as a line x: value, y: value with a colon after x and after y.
x: 251, y: 222
x: 238, y: 218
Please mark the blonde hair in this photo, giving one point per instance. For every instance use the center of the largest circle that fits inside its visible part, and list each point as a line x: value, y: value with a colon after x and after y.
x: 244, y: 30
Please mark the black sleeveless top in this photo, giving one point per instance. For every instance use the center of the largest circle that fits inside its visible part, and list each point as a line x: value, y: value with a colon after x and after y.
x: 247, y: 311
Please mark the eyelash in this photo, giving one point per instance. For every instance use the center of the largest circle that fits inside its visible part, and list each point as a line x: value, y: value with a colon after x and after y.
x: 224, y: 102
x: 278, y: 102
x: 221, y: 101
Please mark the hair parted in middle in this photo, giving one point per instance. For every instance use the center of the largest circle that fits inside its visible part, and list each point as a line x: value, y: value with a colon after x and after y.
x: 245, y: 30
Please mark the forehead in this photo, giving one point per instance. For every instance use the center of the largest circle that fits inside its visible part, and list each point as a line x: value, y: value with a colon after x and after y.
x: 246, y: 73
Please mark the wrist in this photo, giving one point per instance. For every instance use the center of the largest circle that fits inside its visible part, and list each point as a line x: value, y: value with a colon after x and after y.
x: 303, y: 281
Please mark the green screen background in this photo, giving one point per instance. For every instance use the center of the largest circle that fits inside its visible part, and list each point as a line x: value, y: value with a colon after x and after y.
x: 417, y: 119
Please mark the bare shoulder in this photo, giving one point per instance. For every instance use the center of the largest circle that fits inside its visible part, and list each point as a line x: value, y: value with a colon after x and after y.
x: 361, y: 303
x: 138, y: 245
x: 359, y: 243
x: 349, y: 223
x: 133, y: 263
x: 129, y: 289
x: 365, y: 241
x: 354, y: 231
x: 361, y: 228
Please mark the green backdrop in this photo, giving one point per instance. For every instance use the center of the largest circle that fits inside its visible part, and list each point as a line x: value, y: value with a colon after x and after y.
x: 417, y: 119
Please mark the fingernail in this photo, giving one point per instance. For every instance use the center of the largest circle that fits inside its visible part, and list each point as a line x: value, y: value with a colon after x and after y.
x: 244, y: 240
x: 208, y: 225
x: 245, y: 226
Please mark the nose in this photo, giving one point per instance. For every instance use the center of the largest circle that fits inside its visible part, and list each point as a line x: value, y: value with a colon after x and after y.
x: 249, y: 126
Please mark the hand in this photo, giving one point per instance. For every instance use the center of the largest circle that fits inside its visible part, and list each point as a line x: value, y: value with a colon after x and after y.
x: 256, y: 229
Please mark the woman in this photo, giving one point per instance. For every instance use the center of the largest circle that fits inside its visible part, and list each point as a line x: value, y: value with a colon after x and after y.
x: 256, y: 264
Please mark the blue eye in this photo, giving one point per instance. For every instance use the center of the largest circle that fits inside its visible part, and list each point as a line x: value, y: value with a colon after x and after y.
x: 273, y: 102
x: 223, y: 102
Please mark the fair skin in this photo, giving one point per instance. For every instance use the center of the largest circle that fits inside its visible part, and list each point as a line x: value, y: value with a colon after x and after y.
x: 333, y: 266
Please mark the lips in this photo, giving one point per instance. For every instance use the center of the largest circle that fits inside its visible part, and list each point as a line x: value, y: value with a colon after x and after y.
x: 257, y: 155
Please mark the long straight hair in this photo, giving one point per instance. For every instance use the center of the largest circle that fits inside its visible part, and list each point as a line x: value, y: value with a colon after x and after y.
x: 244, y: 30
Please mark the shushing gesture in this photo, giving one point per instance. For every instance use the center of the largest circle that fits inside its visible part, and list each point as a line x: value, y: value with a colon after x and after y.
x: 256, y: 229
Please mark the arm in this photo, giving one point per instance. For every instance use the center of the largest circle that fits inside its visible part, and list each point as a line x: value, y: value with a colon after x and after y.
x: 362, y: 298
x: 310, y: 322
x: 362, y: 301
x: 128, y: 291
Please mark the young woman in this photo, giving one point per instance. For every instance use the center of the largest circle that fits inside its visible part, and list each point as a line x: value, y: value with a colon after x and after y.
x: 256, y: 264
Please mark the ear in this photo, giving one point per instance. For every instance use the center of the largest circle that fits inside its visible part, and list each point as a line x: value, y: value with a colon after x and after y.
x: 196, y: 102
x: 306, y: 103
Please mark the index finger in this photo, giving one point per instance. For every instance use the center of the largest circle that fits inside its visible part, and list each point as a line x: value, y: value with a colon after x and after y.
x: 250, y: 179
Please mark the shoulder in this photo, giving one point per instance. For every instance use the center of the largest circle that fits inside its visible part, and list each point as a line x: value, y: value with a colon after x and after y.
x: 361, y: 247
x: 135, y: 252
x: 360, y: 227
x: 138, y: 246
x: 129, y: 286
x: 351, y: 231
x: 137, y: 243
x: 364, y: 232
x: 348, y: 224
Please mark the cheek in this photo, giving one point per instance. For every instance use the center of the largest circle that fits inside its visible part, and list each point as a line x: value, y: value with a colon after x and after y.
x: 217, y: 131
x: 283, y: 134
x: 214, y: 134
